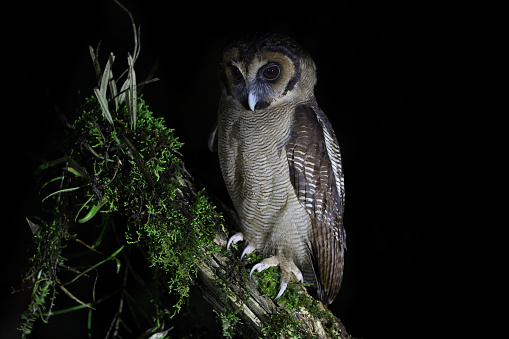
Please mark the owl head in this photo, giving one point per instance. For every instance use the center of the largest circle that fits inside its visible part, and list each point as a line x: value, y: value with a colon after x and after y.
x: 262, y: 71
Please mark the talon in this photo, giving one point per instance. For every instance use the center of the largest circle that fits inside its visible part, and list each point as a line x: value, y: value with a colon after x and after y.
x: 254, y: 268
x: 264, y: 264
x: 235, y: 239
x: 282, y: 289
x: 249, y: 248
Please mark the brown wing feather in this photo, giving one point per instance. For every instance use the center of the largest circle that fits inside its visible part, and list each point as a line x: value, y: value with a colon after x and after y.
x: 315, y: 172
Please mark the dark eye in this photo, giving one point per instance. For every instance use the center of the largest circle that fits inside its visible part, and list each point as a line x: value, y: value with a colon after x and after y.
x: 271, y: 72
x: 237, y: 74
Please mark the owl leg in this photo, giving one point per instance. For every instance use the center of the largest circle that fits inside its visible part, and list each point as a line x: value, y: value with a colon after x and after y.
x: 287, y: 268
x: 240, y: 237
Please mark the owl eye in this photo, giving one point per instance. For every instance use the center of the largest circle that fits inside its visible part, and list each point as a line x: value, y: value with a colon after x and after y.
x: 271, y: 72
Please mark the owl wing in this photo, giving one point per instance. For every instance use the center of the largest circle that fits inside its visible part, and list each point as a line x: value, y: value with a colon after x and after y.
x: 316, y: 174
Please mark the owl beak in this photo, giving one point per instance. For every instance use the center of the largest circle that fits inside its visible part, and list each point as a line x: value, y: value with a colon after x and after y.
x: 252, y: 99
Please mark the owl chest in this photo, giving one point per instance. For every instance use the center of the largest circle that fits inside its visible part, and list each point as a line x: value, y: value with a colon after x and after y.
x: 256, y: 173
x: 254, y: 167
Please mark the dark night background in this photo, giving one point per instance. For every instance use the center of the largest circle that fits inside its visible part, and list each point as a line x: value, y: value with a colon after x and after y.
x: 392, y: 78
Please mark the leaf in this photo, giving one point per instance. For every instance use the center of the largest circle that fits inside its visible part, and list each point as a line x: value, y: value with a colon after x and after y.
x: 104, y: 105
x: 101, y: 92
x: 105, y: 225
x: 114, y: 92
x: 143, y: 83
x: 123, y: 91
x: 81, y: 242
x: 49, y: 164
x: 49, y: 182
x: 33, y: 226
x: 131, y: 93
x: 107, y: 74
x: 91, y: 213
x: 73, y: 171
x: 111, y: 257
x: 65, y: 190
x: 72, y: 309
x: 137, y: 46
x: 95, y: 61
x: 89, y: 148
x: 73, y: 165
x: 70, y: 295
x: 160, y: 335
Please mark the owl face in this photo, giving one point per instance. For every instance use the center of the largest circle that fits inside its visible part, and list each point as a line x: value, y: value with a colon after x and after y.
x: 262, y: 71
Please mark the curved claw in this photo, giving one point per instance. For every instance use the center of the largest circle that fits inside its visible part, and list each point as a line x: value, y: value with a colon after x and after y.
x: 234, y: 239
x: 281, y: 289
x: 264, y: 264
x: 249, y: 248
x: 254, y: 268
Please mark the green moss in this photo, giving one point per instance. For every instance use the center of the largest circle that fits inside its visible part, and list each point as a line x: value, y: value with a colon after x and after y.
x: 111, y: 168
x: 120, y: 160
x: 141, y: 176
x: 42, y: 272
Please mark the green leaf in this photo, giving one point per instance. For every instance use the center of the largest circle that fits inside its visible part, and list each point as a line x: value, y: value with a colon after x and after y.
x: 49, y: 164
x: 111, y: 257
x: 49, y: 182
x: 91, y: 213
x: 65, y: 190
x: 105, y: 225
x: 88, y: 147
x: 73, y: 171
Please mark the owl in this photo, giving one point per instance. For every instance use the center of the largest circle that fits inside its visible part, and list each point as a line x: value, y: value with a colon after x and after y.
x: 281, y: 162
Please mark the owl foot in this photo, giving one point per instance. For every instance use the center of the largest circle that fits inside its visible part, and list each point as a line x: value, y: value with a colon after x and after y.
x: 286, y: 269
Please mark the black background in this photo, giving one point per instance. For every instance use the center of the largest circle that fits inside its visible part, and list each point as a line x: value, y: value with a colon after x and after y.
x: 394, y: 78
